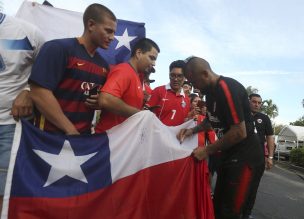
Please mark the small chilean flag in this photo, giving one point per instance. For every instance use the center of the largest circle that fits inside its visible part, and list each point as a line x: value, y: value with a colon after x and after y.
x: 135, y: 170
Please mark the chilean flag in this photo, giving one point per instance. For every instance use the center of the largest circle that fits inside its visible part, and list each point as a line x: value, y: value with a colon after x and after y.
x: 135, y: 170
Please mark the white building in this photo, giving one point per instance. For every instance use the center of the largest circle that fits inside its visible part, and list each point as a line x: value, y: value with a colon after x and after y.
x: 290, y: 137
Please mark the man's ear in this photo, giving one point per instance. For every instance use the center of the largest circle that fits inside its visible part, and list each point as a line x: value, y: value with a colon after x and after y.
x: 138, y: 53
x: 90, y: 24
x: 205, y: 73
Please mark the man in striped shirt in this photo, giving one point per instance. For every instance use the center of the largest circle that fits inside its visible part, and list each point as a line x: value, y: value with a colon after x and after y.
x: 228, y: 113
x: 66, y: 72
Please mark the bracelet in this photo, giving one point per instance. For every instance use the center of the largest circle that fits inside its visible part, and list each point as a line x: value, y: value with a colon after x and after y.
x: 270, y: 158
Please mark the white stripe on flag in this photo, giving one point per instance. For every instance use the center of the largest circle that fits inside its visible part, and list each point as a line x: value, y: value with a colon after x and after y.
x: 8, y: 185
x: 149, y: 142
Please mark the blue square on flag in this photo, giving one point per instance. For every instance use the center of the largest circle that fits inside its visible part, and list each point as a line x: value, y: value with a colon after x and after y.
x: 126, y: 35
x: 50, y: 165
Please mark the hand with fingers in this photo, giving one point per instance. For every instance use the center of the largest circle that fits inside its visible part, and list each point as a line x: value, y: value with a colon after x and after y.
x: 22, y: 105
x: 92, y: 102
x: 200, y: 153
x: 269, y: 163
x: 184, y: 133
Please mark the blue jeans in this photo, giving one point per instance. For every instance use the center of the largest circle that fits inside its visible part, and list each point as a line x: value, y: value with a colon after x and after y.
x: 6, y: 141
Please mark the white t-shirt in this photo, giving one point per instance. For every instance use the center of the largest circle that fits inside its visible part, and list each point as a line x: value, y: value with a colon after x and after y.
x: 19, y: 45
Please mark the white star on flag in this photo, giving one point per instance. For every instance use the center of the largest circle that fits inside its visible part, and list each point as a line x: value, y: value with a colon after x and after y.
x: 64, y: 164
x: 124, y: 40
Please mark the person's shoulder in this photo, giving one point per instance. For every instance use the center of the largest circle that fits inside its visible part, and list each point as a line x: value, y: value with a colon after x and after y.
x: 21, y: 24
x: 123, y: 69
x: 26, y: 27
x: 67, y: 42
x: 123, y: 65
x: 262, y: 115
x: 119, y: 71
x: 62, y: 44
x: 160, y: 87
x: 233, y: 85
x: 230, y: 81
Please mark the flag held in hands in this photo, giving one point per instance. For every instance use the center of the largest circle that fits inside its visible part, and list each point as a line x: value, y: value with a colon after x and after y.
x: 135, y: 170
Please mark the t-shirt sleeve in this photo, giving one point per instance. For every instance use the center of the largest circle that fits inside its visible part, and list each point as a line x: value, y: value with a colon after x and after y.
x: 268, y: 126
x: 39, y: 41
x: 117, y: 82
x: 49, y: 66
x: 232, y: 103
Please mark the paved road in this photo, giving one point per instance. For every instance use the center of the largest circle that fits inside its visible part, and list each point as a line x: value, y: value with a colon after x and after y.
x: 280, y: 195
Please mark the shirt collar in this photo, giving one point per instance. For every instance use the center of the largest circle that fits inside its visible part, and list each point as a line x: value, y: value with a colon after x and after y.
x: 181, y: 93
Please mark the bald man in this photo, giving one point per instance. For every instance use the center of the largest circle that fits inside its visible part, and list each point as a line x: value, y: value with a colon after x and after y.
x: 228, y: 113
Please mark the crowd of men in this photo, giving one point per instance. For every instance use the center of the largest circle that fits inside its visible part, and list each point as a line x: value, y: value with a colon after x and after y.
x: 62, y: 82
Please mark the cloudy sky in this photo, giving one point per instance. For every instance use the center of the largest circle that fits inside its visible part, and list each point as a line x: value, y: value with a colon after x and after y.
x: 258, y: 42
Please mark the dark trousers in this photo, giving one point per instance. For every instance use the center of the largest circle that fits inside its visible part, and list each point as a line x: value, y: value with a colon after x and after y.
x: 256, y: 178
x: 232, y: 188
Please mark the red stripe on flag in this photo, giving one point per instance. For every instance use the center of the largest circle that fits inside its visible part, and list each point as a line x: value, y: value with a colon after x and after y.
x: 203, y: 187
x: 230, y: 102
x: 243, y: 188
x: 164, y: 191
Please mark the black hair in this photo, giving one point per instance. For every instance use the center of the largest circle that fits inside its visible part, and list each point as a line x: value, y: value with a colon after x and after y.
x: 192, y: 97
x: 254, y: 95
x: 188, y: 82
x: 97, y: 12
x: 145, y: 45
x: 177, y: 64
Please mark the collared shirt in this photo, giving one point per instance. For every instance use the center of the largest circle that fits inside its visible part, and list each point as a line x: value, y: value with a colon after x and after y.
x: 263, y: 126
x: 173, y: 107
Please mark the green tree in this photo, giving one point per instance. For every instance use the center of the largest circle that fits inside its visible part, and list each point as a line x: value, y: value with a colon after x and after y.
x: 251, y: 90
x: 270, y: 109
x: 277, y: 128
x: 299, y: 122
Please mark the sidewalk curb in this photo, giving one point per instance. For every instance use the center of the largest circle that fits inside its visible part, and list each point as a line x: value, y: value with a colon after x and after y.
x: 298, y: 170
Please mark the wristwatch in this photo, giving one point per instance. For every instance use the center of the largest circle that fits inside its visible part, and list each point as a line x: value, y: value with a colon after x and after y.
x: 270, y: 157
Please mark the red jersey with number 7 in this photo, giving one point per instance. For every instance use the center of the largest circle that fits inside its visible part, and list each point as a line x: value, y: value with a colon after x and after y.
x: 174, y: 107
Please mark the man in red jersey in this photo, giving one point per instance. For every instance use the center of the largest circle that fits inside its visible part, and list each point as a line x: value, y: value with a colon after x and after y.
x: 122, y: 95
x: 174, y: 104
